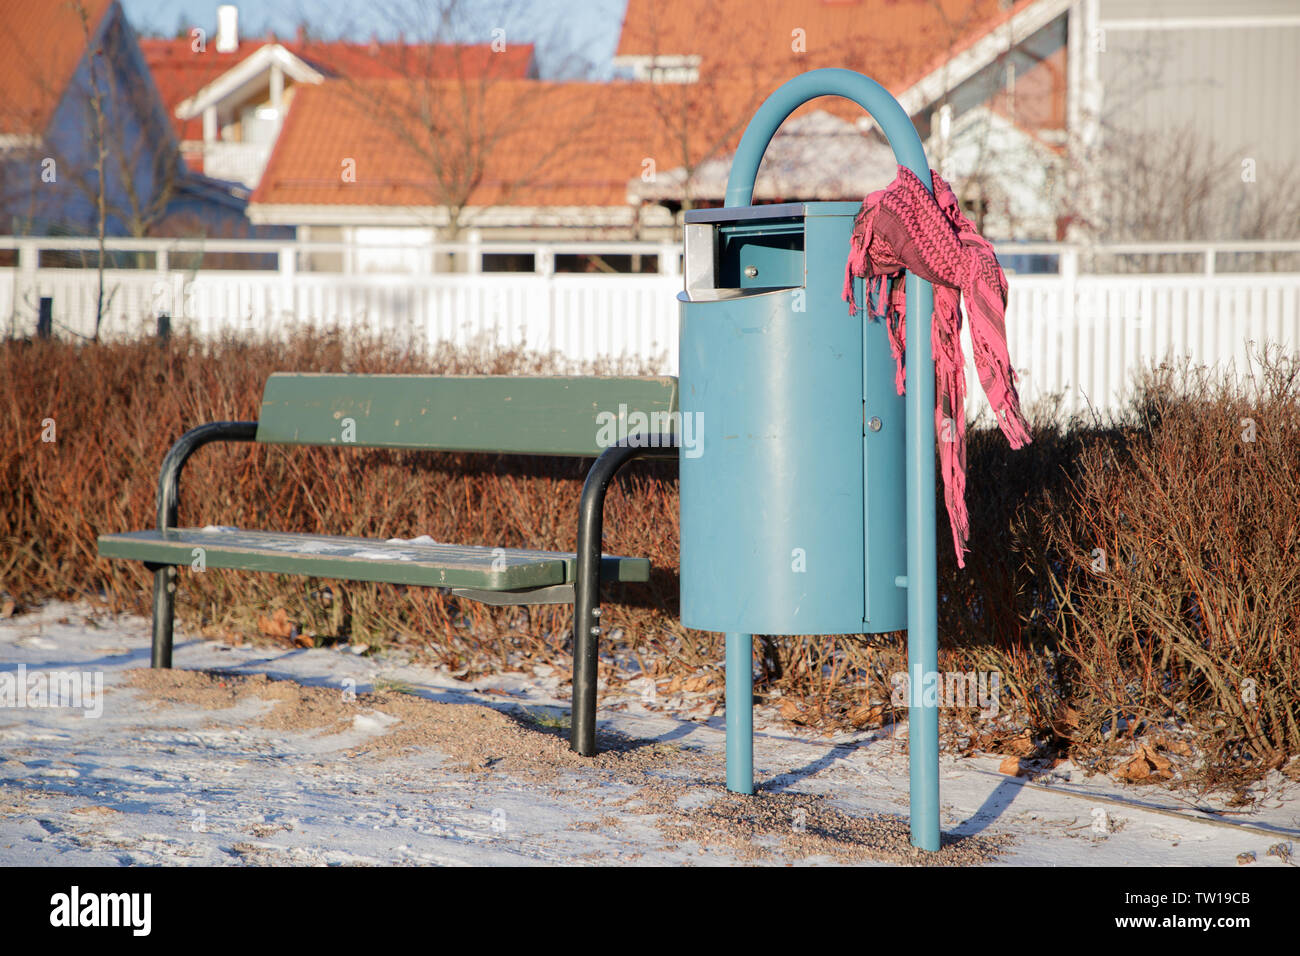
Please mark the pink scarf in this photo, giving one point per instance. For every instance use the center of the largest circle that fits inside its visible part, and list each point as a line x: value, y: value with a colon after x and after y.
x: 904, y: 227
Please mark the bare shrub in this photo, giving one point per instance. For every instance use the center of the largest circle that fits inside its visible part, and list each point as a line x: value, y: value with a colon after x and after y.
x: 1124, y: 577
x: 1178, y: 579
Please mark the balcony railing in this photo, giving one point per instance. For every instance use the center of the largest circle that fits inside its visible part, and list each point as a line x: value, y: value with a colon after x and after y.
x: 237, y: 162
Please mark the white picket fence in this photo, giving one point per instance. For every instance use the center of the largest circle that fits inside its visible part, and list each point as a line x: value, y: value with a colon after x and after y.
x: 1084, y: 336
x: 582, y: 317
x: 1089, y: 337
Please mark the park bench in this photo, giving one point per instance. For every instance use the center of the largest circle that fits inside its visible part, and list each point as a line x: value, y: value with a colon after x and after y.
x: 560, y: 416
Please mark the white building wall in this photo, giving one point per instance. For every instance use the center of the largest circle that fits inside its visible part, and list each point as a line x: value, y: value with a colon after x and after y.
x: 1230, y: 68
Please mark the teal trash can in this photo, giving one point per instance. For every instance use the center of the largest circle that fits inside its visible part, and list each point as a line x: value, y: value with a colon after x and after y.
x: 805, y: 508
x: 792, y: 495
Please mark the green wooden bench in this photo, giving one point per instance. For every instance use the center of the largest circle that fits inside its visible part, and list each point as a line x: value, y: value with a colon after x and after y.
x: 494, y: 414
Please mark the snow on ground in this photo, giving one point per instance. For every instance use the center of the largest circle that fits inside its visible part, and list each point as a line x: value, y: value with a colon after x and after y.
x: 189, y: 768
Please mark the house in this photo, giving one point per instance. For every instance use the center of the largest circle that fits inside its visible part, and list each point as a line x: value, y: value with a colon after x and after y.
x: 75, y: 95
x: 615, y: 160
x: 984, y: 81
x: 1013, y: 99
x: 228, y: 95
x: 624, y: 159
x: 1188, y: 109
x: 1146, y: 119
x: 396, y: 164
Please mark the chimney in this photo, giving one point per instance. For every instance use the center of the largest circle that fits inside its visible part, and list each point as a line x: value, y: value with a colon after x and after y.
x: 227, y: 28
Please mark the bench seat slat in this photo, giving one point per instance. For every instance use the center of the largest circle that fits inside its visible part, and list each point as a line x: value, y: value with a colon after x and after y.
x: 500, y: 414
x: 364, y: 559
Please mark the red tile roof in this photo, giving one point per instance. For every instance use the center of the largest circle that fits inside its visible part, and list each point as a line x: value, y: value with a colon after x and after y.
x: 541, y: 144
x: 895, y: 42
x: 606, y: 131
x: 180, y: 71
x: 41, y: 44
x: 437, y: 61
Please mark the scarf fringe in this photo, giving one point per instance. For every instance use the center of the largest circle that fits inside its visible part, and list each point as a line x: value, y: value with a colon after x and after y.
x: 859, y: 263
x: 960, y: 263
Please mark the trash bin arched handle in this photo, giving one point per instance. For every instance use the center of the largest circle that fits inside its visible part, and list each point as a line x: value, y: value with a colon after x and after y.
x: 866, y: 92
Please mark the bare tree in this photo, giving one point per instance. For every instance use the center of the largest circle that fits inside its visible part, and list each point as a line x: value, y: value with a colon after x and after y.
x: 1154, y: 175
x: 1180, y: 185
x: 699, y: 115
x: 99, y: 139
x: 460, y: 107
x: 136, y: 149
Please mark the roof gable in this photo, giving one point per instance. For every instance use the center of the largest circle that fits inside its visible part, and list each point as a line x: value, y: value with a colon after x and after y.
x: 244, y: 75
x: 179, y: 70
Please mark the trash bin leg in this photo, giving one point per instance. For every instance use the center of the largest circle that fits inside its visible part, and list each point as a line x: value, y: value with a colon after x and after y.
x: 740, y: 713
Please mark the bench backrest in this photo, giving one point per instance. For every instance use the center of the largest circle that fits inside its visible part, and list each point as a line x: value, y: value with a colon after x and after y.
x: 475, y: 413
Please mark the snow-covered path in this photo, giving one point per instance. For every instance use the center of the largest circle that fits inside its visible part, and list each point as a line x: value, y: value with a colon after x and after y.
x: 188, y: 768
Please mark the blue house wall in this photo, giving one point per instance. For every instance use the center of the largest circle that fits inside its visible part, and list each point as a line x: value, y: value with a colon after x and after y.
x: 142, y: 159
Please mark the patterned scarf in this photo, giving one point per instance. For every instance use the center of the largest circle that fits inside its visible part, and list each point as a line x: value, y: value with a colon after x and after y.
x: 905, y: 228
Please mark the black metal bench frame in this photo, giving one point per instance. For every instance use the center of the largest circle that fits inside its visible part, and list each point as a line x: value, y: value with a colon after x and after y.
x: 586, y: 588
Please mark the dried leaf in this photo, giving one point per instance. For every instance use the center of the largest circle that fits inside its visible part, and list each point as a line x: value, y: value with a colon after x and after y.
x: 7, y: 609
x: 1021, y: 746
x: 1010, y: 766
x: 277, y: 625
x: 1136, y: 770
x: 866, y: 715
x: 1159, y: 763
x: 790, y: 711
x: 1146, y: 766
x: 698, y: 683
x: 1066, y: 723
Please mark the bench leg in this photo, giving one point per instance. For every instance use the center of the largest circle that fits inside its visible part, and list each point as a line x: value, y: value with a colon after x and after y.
x: 164, y: 609
x: 586, y: 584
x: 586, y: 631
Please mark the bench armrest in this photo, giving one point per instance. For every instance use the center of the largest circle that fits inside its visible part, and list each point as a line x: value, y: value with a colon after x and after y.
x: 170, y: 477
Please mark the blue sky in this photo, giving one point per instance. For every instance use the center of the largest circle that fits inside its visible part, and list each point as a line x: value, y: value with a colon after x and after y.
x: 565, y: 30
